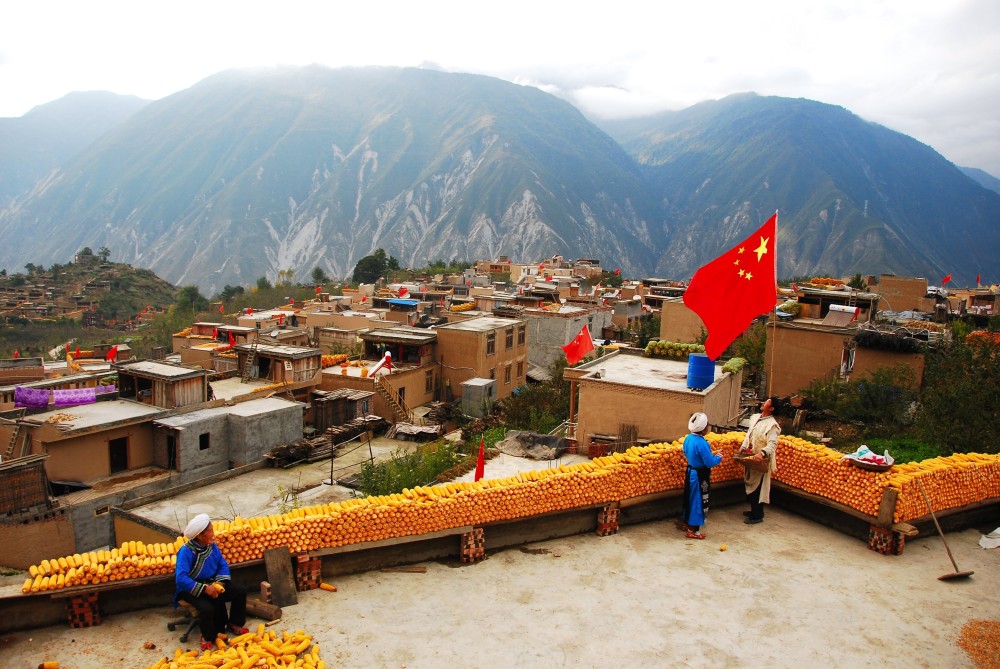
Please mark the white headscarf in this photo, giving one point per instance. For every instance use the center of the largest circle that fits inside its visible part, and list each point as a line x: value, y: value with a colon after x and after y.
x: 698, y: 422
x: 197, y: 525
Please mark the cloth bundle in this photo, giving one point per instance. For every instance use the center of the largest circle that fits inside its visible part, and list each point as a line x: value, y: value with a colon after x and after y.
x: 865, y: 454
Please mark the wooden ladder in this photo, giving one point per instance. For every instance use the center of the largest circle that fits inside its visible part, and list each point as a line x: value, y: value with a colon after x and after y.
x: 396, y: 404
x: 251, y: 359
x: 16, y: 420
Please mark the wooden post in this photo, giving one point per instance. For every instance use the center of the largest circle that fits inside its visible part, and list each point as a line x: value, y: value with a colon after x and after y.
x: 278, y: 562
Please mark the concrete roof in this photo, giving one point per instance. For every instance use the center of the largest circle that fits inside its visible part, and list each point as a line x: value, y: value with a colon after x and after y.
x: 284, y: 350
x: 636, y: 370
x: 160, y: 369
x: 96, y: 414
x: 253, y: 407
x: 481, y: 324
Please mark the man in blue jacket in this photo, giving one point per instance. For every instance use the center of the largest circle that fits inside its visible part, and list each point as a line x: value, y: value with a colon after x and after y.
x: 203, y: 580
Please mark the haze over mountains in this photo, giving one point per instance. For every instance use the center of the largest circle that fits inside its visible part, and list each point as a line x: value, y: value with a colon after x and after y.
x: 250, y: 172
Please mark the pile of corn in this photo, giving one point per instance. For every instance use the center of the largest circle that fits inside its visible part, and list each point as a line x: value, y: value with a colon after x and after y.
x: 950, y: 482
x: 329, y: 360
x: 465, y: 306
x: 133, y: 560
x: 254, y: 649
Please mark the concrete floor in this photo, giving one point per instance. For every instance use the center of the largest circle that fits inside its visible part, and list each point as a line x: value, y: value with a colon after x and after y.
x: 786, y: 593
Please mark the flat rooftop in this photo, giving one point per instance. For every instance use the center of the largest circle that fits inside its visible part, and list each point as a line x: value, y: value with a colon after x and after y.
x: 638, y: 370
x: 84, y: 416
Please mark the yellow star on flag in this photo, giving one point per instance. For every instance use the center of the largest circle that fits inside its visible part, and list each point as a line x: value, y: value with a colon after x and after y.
x: 762, y: 249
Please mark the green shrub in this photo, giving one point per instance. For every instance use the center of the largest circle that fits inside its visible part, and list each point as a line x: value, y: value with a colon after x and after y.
x: 904, y: 450
x: 409, y: 469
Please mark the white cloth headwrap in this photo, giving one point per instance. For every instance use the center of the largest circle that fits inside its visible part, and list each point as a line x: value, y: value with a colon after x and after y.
x: 698, y: 422
x: 197, y: 525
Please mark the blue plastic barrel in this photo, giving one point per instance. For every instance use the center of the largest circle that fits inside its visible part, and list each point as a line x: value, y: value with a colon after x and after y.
x: 701, y: 371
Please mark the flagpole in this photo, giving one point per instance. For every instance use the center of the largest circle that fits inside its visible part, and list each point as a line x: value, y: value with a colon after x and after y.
x: 773, y: 315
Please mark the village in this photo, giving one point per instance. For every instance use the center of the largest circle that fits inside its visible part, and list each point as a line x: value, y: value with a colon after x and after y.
x: 97, y: 442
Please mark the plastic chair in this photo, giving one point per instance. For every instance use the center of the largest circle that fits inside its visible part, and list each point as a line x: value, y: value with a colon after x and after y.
x: 189, y: 618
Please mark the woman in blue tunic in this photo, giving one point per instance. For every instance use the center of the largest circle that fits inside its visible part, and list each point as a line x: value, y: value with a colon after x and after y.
x: 203, y: 580
x: 698, y: 476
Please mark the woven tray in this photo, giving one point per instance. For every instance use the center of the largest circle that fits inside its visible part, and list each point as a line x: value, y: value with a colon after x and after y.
x: 748, y: 461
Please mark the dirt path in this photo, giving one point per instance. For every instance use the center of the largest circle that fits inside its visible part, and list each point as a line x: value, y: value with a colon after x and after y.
x: 787, y: 593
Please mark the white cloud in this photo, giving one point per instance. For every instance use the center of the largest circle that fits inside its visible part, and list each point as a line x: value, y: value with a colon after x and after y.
x: 924, y: 68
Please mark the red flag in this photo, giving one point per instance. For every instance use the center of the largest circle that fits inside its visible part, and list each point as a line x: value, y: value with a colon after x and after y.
x: 215, y: 333
x: 946, y: 279
x: 319, y: 289
x: 403, y: 291
x: 977, y: 279
x: 735, y: 288
x: 481, y: 460
x: 364, y: 298
x: 291, y: 300
x: 17, y: 354
x: 77, y: 354
x: 581, y: 345
x: 112, y: 355
x: 281, y: 319
x: 249, y: 311
x: 541, y: 267
x: 232, y: 342
x: 617, y: 272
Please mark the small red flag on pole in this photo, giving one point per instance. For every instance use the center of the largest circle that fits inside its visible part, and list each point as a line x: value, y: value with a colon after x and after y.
x: 481, y: 460
x: 946, y: 279
x: 222, y: 308
x: 232, y: 342
x: 977, y: 279
x: 581, y: 345
x: 319, y: 289
x: 17, y: 354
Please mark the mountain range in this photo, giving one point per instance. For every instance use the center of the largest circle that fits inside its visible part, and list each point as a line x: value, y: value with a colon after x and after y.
x: 250, y: 172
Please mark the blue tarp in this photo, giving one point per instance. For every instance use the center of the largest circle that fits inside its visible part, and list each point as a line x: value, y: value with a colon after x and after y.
x: 404, y: 303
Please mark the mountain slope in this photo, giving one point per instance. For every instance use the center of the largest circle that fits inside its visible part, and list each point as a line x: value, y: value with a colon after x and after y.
x: 852, y: 196
x: 247, y: 173
x: 51, y: 134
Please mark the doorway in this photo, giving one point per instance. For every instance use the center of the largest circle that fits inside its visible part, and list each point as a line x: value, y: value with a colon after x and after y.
x: 118, y: 450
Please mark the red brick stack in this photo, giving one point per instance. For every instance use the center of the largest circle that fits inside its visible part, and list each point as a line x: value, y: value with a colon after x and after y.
x: 308, y: 572
x: 885, y: 541
x: 607, y: 521
x: 83, y: 610
x: 473, y: 547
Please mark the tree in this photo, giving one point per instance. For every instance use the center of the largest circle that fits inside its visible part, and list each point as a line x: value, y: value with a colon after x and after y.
x: 264, y: 284
x: 370, y: 268
x: 958, y: 408
x: 104, y: 252
x: 229, y: 292
x: 190, y: 300
x: 319, y: 276
x: 857, y: 282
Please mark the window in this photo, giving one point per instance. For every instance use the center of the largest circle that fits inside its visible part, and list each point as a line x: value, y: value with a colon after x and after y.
x: 520, y: 335
x: 204, y: 441
x: 491, y: 343
x: 493, y: 373
x: 429, y: 381
x: 520, y: 369
x: 509, y: 334
x: 506, y: 375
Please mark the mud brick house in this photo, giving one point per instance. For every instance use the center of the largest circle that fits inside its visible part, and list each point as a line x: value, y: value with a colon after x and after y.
x: 548, y: 329
x: 413, y: 380
x: 625, y: 392
x: 21, y: 370
x: 483, y: 348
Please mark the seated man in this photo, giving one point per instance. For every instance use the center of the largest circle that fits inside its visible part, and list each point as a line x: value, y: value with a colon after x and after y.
x: 203, y: 580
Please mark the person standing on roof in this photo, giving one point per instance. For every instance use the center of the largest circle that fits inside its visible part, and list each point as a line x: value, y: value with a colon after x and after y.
x: 698, y: 475
x: 761, y: 444
x: 202, y: 579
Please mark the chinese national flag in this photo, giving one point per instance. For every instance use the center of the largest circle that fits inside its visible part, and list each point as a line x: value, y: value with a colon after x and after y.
x: 581, y: 345
x: 319, y: 289
x: 77, y: 354
x: 735, y: 288
x: 946, y: 279
x: 481, y: 460
x: 17, y: 354
x: 281, y: 319
x: 222, y: 308
x: 232, y: 342
x: 112, y: 355
x: 215, y: 333
x: 977, y: 278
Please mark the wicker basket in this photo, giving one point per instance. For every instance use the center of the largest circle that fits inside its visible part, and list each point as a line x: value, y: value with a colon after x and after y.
x: 748, y: 461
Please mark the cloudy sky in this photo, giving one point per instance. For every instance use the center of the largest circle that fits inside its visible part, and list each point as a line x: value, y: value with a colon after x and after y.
x: 930, y: 69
